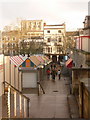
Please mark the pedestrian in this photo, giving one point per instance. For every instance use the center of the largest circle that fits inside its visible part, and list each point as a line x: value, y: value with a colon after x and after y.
x: 51, y: 66
x: 54, y: 66
x: 53, y: 74
x: 48, y: 73
x: 59, y: 74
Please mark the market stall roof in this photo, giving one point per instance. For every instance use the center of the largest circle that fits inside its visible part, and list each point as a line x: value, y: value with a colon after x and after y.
x: 23, y: 57
x: 28, y: 63
x: 69, y: 63
x: 35, y: 60
x: 40, y: 59
x: 1, y: 62
x: 16, y: 60
x: 47, y: 58
x: 43, y: 59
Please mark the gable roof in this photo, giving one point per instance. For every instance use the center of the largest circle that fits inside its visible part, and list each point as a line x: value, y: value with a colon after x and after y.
x: 16, y: 60
x: 35, y: 60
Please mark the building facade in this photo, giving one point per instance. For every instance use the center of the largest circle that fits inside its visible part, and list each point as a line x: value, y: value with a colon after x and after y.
x: 83, y: 40
x: 32, y: 29
x: 86, y: 39
x: 38, y: 38
x: 10, y: 42
x: 32, y: 35
x: 54, y: 38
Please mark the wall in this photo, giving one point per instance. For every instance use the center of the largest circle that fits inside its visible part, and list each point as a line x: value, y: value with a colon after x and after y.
x: 81, y: 92
x: 1, y: 87
x: 79, y: 59
x: 85, y: 44
x: 11, y: 76
x: 84, y: 101
x: 78, y: 75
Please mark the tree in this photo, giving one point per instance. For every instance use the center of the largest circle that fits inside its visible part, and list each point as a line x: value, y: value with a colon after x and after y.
x: 31, y: 47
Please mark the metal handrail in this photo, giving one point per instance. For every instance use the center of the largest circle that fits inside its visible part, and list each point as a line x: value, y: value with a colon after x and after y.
x: 41, y: 87
x: 16, y: 90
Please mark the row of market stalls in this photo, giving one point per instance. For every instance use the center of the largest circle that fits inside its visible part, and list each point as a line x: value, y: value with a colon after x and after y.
x: 32, y: 70
x: 19, y: 76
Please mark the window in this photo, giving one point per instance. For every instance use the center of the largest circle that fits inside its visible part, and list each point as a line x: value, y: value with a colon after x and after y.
x: 12, y: 45
x: 48, y: 31
x: 51, y: 49
x: 59, y: 39
x: 8, y: 44
x: 59, y: 31
x: 3, y: 39
x: 48, y: 49
x: 48, y: 39
x: 8, y: 38
x: 14, y: 38
x: 58, y: 49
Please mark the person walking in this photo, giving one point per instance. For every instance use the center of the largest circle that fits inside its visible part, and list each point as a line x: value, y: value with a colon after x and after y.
x: 53, y: 74
x: 48, y: 73
x: 59, y: 74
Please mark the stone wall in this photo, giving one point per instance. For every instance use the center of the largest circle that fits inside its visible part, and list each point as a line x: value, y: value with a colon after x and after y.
x: 81, y: 58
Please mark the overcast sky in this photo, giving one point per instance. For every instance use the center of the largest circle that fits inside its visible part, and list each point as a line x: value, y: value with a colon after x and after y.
x: 72, y: 12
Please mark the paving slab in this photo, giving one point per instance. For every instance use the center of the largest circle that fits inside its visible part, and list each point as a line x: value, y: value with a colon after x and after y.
x: 52, y: 104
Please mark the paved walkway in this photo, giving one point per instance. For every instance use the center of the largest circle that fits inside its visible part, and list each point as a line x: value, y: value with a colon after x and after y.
x: 52, y: 104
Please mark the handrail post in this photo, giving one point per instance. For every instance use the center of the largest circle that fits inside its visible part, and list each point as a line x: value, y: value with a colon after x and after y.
x: 41, y: 87
x: 20, y: 98
x: 28, y: 108
x: 82, y: 87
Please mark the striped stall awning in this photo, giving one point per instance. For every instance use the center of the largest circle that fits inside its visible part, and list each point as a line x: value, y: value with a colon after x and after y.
x: 43, y: 59
x: 69, y: 63
x: 47, y: 58
x: 35, y: 60
x: 16, y: 60
x: 1, y: 67
x: 40, y: 59
x: 1, y: 62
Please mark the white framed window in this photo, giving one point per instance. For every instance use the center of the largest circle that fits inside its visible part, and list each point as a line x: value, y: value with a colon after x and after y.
x: 59, y: 31
x: 48, y: 31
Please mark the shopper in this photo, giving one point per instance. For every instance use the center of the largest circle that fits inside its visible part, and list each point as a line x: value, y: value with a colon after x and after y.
x: 53, y: 74
x: 48, y: 73
x: 59, y: 74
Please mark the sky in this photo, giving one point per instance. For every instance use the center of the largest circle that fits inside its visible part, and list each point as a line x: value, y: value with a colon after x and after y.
x: 72, y: 12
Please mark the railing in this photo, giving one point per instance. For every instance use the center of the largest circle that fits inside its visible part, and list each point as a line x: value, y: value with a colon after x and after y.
x: 17, y: 104
x: 40, y: 87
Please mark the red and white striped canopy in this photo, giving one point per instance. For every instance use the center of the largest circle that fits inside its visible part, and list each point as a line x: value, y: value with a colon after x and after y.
x: 1, y: 67
x: 69, y: 63
x: 1, y: 61
x: 17, y: 60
